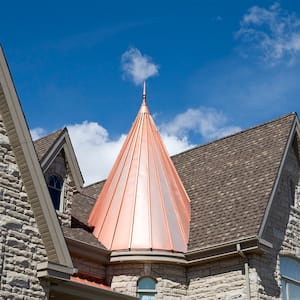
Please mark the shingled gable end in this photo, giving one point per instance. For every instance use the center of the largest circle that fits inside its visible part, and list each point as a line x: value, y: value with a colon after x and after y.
x: 244, y: 231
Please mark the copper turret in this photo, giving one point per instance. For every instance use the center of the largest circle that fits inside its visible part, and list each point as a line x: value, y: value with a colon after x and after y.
x: 143, y: 204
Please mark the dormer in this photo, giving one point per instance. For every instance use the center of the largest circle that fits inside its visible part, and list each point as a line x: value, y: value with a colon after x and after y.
x: 61, y: 171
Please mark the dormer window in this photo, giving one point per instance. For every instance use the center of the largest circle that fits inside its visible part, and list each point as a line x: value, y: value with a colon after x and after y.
x: 55, y: 185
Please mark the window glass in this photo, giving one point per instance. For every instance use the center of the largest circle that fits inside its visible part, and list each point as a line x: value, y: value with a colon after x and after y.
x: 290, y: 274
x: 289, y: 267
x: 55, y: 184
x: 293, y: 291
x: 146, y: 288
x: 147, y: 283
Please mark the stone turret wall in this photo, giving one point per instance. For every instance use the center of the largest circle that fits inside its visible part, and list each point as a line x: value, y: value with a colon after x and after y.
x: 171, y: 279
x: 21, y: 247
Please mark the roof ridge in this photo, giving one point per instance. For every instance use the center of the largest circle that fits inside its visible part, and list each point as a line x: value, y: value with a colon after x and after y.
x: 239, y: 132
x: 94, y: 183
x: 50, y: 134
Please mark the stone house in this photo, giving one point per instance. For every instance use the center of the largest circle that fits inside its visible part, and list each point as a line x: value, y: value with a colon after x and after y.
x: 225, y: 224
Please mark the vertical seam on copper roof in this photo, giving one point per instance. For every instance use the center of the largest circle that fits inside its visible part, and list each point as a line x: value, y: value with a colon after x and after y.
x: 161, y: 195
x: 137, y: 129
x: 106, y: 185
x: 149, y: 190
x: 181, y: 190
x: 186, y: 211
x: 113, y: 194
x: 179, y: 185
x: 170, y: 191
x: 114, y: 191
x: 138, y: 165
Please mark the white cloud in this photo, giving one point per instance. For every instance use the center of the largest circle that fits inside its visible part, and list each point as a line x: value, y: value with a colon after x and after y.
x: 273, y: 32
x: 175, y: 144
x: 37, y: 133
x: 207, y: 122
x: 96, y: 151
x: 137, y: 67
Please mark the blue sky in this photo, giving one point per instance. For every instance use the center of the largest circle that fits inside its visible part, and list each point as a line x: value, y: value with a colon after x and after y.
x: 212, y: 68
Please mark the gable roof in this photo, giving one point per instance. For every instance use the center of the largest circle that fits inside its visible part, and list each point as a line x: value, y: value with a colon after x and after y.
x: 30, y: 169
x: 48, y: 147
x: 43, y: 144
x: 229, y: 182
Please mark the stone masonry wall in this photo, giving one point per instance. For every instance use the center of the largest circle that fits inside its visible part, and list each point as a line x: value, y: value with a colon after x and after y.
x: 21, y: 247
x: 223, y: 279
x: 171, y: 279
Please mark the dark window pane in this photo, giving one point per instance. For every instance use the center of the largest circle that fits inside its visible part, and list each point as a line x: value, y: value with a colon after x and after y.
x: 55, y: 184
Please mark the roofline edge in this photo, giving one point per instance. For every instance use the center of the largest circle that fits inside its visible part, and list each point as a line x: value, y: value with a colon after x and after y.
x: 294, y: 127
x: 30, y: 168
x: 63, y: 141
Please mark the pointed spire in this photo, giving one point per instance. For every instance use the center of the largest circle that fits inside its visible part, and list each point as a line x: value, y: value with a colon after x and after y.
x: 143, y: 204
x: 144, y: 108
x: 144, y: 93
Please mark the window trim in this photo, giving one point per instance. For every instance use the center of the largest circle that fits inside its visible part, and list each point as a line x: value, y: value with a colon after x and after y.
x: 150, y: 292
x: 61, y: 190
x: 286, y: 280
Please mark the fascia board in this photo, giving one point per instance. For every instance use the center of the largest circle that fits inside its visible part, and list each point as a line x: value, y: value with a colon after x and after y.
x: 73, y: 162
x: 295, y: 127
x: 63, y: 142
x: 30, y: 169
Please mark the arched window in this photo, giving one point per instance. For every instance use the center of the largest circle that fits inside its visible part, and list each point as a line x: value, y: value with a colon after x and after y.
x: 55, y: 184
x: 290, y: 278
x: 146, y: 288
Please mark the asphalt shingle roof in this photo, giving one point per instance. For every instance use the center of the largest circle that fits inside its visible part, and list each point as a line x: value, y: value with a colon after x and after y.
x: 229, y: 182
x: 43, y: 144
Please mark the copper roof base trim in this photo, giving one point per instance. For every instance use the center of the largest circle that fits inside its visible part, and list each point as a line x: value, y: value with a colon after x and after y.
x: 143, y: 204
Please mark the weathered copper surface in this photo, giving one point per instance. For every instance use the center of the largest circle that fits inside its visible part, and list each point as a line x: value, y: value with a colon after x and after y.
x: 143, y: 204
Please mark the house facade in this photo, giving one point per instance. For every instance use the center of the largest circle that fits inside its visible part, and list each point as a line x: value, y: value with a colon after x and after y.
x: 219, y: 221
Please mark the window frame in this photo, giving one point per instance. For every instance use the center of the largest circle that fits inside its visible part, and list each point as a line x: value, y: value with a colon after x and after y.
x: 146, y: 292
x: 287, y: 280
x: 59, y: 179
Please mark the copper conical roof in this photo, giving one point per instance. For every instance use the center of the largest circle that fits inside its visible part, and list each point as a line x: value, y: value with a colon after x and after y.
x: 143, y: 204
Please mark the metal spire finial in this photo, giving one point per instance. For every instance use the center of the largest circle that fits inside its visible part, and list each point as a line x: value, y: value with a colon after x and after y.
x: 144, y: 93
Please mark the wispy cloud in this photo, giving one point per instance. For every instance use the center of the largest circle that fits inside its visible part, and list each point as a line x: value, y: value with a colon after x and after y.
x: 137, y: 67
x: 37, y: 133
x: 89, y: 38
x: 206, y: 122
x: 273, y: 32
